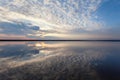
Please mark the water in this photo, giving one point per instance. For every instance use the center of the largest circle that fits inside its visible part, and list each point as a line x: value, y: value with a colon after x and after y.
x: 60, y: 60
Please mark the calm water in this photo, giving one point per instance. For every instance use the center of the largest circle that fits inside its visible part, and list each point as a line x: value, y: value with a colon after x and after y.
x: 59, y: 60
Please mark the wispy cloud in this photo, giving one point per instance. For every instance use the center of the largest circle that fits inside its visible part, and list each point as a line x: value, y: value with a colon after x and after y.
x: 58, y: 16
x: 12, y: 36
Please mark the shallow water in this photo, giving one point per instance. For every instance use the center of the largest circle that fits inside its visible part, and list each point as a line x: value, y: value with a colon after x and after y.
x: 60, y: 60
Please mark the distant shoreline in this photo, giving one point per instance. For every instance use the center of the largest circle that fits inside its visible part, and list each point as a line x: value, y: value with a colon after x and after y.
x: 67, y: 40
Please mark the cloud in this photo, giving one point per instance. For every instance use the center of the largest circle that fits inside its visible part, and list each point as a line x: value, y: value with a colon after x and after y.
x: 17, y: 28
x: 12, y: 36
x: 58, y: 16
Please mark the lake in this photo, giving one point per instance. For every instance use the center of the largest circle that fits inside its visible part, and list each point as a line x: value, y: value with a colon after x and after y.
x: 60, y: 60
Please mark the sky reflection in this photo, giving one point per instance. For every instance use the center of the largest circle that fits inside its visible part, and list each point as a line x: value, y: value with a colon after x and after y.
x: 94, y: 60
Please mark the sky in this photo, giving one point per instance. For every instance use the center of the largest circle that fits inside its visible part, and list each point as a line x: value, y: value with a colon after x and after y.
x: 59, y: 19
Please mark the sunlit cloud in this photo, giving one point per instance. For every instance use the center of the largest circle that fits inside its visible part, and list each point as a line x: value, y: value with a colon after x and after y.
x: 49, y: 15
x: 51, y: 18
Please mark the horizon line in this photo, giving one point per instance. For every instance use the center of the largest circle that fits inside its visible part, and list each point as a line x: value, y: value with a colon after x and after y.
x: 111, y: 40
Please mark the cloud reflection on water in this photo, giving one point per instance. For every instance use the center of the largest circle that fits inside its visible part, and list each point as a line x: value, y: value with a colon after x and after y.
x: 55, y: 57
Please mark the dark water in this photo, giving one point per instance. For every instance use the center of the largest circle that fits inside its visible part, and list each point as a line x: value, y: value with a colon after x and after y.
x: 59, y: 60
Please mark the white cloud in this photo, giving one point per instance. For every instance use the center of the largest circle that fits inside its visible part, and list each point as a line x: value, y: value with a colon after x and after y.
x: 53, y: 15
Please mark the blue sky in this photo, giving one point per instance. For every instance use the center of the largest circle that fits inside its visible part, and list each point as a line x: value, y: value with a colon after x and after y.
x: 59, y: 19
x: 110, y: 12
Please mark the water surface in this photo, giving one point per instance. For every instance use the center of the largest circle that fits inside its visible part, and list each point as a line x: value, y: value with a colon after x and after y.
x: 60, y: 60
